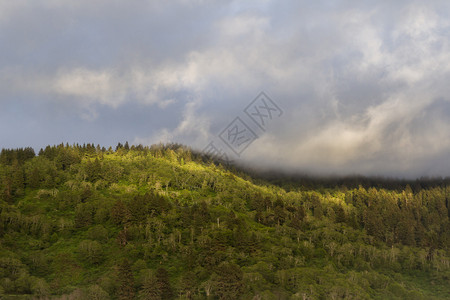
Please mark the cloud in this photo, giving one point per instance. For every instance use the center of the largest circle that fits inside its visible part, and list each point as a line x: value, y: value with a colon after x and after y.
x: 88, y: 85
x: 364, y: 86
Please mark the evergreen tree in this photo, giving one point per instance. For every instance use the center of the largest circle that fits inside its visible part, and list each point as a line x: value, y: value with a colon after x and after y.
x: 34, y: 178
x: 340, y: 214
x: 126, y: 280
x: 93, y: 170
x: 150, y: 289
x: 188, y: 284
x: 165, y: 289
x: 228, y: 284
x: 18, y: 179
x: 120, y: 213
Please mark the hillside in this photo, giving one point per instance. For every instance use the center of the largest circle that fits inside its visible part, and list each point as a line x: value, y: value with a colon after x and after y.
x: 161, y: 222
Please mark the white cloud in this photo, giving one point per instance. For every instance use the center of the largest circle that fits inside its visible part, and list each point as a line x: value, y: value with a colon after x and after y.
x: 90, y: 86
x: 359, y: 83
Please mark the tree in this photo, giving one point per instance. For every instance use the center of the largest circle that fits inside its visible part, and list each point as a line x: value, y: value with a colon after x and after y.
x: 40, y: 288
x: 317, y: 208
x: 84, y: 214
x: 91, y: 251
x: 18, y: 179
x: 340, y: 214
x: 94, y: 170
x: 95, y: 292
x: 228, y: 283
x: 66, y: 158
x: 34, y: 178
x: 120, y: 213
x: 279, y: 215
x: 126, y: 280
x: 138, y: 208
x: 188, y: 284
x: 165, y: 289
x: 7, y: 192
x: 150, y: 289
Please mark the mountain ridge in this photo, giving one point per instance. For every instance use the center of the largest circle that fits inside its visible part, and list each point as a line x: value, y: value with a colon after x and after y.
x: 165, y: 222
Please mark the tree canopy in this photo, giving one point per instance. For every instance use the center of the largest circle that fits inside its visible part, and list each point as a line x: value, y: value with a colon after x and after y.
x: 166, y: 222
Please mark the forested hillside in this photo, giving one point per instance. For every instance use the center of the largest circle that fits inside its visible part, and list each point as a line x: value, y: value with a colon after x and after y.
x: 161, y: 222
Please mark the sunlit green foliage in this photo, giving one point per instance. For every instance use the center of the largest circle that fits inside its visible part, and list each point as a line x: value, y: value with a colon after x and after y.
x: 164, y: 222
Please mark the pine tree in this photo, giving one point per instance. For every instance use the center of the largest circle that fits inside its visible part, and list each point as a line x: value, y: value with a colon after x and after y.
x: 93, y: 170
x: 188, y: 284
x: 18, y: 179
x: 120, y: 213
x: 7, y: 189
x: 340, y: 214
x: 228, y: 284
x: 163, y: 283
x: 34, y: 178
x: 126, y: 279
x: 150, y: 289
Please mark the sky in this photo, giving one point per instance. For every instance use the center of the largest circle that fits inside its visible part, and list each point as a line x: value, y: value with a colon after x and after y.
x: 359, y: 87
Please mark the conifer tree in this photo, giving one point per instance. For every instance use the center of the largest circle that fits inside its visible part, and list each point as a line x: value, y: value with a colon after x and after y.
x: 228, y: 284
x: 126, y: 280
x: 150, y: 289
x: 34, y: 178
x: 165, y: 289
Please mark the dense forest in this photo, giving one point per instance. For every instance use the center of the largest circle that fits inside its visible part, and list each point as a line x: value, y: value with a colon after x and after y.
x: 164, y: 222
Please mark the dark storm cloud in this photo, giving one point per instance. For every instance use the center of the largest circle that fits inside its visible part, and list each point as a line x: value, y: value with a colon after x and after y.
x: 364, y: 84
